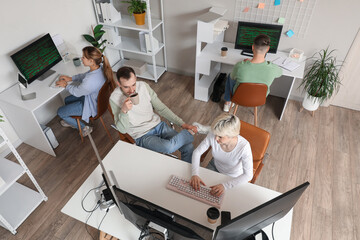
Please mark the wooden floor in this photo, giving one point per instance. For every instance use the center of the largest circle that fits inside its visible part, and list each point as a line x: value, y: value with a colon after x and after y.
x: 323, y: 150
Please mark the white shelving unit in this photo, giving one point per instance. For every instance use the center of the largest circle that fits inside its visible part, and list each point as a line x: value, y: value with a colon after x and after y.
x: 206, y: 70
x: 132, y: 45
x: 16, y: 200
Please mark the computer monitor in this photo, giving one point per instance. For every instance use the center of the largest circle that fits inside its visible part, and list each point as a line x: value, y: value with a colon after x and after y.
x: 251, y: 222
x: 34, y: 60
x: 141, y: 213
x: 248, y: 31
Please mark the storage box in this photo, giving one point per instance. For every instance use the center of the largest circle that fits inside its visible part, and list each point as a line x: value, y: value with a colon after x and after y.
x: 138, y: 66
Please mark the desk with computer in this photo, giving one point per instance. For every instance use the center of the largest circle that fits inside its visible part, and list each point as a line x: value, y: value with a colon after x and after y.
x: 39, y: 63
x: 145, y: 205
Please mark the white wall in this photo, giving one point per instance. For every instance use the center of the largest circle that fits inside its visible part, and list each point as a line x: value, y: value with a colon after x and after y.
x: 24, y: 20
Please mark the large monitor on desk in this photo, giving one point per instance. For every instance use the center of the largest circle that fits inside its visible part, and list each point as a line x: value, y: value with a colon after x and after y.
x: 253, y: 221
x: 35, y: 60
x: 248, y: 31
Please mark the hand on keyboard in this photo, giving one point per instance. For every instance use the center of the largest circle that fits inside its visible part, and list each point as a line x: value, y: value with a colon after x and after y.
x: 183, y: 187
x: 195, y: 182
x: 217, y: 190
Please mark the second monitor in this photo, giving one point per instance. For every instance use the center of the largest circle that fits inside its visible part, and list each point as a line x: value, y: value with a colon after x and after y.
x: 247, y: 31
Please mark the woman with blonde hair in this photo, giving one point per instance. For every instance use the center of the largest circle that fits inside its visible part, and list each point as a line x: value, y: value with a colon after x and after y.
x: 231, y: 153
x: 84, y: 92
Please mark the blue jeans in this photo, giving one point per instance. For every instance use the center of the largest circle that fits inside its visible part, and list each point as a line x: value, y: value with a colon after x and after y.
x: 73, y: 107
x: 164, y: 139
x: 229, y: 86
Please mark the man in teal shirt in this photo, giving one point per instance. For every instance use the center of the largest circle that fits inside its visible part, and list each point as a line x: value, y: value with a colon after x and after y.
x: 256, y: 70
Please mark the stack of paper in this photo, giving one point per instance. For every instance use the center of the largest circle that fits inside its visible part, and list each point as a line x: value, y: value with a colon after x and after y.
x: 286, y: 63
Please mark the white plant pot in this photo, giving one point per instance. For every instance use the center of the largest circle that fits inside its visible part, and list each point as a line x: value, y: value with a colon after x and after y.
x: 310, y: 103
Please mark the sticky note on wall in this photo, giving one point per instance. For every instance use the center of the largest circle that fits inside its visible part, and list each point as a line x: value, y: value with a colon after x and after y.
x: 246, y: 9
x: 261, y: 5
x: 277, y: 2
x: 281, y: 20
x: 290, y: 33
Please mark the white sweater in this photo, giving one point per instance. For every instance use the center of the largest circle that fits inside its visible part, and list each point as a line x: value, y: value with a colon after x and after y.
x: 238, y: 163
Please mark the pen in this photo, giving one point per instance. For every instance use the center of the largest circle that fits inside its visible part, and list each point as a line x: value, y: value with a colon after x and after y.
x: 284, y: 61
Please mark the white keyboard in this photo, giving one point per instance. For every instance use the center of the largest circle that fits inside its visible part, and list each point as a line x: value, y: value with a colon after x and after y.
x: 183, y: 186
x: 53, y: 83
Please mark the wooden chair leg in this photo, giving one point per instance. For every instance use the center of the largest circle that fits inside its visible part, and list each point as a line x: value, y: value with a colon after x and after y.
x: 301, y: 109
x: 106, y: 129
x: 255, y: 116
x: 80, y: 130
x: 313, y: 113
x: 235, y: 110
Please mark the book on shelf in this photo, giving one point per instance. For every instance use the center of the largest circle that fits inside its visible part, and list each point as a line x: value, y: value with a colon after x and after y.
x: 155, y: 42
x: 109, y: 12
x: 142, y: 41
x: 112, y: 37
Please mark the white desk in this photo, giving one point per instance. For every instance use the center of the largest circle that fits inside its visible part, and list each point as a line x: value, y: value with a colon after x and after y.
x: 145, y: 173
x: 209, y: 62
x: 24, y: 115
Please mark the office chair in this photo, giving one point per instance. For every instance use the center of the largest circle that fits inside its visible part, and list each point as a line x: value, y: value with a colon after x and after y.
x: 259, y: 140
x: 249, y: 95
x: 102, y: 106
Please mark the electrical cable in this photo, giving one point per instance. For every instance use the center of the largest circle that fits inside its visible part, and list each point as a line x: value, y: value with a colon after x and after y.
x: 107, y: 210
x: 82, y: 201
x: 87, y: 230
x: 272, y: 231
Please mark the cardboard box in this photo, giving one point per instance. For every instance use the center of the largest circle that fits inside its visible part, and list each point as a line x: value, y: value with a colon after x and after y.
x: 138, y: 66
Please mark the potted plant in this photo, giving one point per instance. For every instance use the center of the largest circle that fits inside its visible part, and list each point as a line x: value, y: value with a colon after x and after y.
x: 96, y: 39
x: 321, y: 79
x: 138, y: 9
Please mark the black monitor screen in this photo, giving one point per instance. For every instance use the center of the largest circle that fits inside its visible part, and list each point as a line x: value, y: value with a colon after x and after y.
x: 245, y: 225
x: 140, y: 212
x: 247, y: 32
x: 36, y: 58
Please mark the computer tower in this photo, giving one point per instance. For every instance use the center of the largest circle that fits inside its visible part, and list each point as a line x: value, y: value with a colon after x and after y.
x: 50, y: 136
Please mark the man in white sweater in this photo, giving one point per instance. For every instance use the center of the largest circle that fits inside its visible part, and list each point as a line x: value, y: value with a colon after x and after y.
x: 140, y: 121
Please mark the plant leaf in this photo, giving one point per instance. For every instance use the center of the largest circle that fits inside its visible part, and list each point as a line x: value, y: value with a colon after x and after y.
x: 89, y: 38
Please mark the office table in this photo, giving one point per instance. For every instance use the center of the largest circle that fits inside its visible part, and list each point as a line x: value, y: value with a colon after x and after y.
x: 209, y: 62
x: 25, y: 116
x: 145, y: 173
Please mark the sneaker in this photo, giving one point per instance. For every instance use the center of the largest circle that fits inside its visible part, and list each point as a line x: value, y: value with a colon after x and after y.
x: 86, y: 130
x: 65, y: 124
x: 201, y: 128
x: 227, y: 107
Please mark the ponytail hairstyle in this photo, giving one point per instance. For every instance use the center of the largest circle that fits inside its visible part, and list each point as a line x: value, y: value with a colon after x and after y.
x: 95, y: 54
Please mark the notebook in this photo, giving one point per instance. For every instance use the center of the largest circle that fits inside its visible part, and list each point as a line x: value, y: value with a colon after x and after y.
x: 286, y: 63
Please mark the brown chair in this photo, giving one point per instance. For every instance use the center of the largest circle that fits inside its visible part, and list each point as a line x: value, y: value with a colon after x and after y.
x: 249, y: 95
x: 259, y: 141
x: 102, y: 106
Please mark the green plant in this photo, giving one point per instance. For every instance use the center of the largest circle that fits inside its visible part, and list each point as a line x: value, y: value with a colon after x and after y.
x: 1, y: 118
x: 96, y: 39
x: 136, y: 6
x: 322, y: 76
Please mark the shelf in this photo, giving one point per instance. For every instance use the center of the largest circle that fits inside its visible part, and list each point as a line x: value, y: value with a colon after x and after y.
x: 17, y: 203
x: 133, y: 45
x: 148, y: 74
x: 2, y: 142
x: 9, y: 172
x: 128, y: 22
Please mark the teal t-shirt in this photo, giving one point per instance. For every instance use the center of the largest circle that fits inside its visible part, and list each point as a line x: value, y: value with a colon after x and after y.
x: 248, y: 72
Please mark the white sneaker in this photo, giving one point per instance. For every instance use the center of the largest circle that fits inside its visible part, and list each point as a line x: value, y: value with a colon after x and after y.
x: 86, y: 130
x: 65, y: 124
x: 201, y: 128
x: 227, y: 107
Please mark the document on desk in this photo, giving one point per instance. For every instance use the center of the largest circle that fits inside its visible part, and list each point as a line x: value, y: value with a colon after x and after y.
x: 286, y: 63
